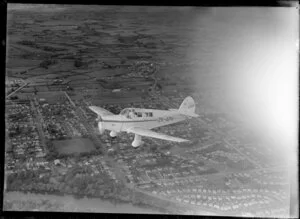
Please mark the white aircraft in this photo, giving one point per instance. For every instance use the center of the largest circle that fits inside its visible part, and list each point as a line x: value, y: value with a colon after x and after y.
x: 140, y: 121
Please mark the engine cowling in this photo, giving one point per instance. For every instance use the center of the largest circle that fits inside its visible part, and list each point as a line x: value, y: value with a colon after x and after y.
x: 101, y: 128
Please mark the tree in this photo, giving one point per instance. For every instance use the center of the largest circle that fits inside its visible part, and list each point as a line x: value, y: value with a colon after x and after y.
x: 79, y: 63
x: 45, y: 64
x: 70, y: 88
x: 61, y: 187
x: 14, y: 97
x: 153, y: 148
x: 10, y: 179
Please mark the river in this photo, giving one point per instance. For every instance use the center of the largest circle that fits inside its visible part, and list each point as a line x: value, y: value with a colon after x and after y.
x: 79, y: 205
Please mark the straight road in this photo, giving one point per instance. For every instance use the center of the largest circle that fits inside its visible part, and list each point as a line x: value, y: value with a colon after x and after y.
x: 24, y: 85
x: 243, y: 154
x: 193, y: 208
x: 38, y: 120
x: 83, y: 120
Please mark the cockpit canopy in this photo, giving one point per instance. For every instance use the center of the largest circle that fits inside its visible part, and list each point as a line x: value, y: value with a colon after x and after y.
x: 131, y: 113
x: 128, y: 113
x: 125, y: 111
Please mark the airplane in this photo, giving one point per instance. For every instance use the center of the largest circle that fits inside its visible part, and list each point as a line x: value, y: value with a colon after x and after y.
x: 140, y: 121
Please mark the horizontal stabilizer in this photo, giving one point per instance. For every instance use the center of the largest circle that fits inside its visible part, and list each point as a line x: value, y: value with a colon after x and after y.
x: 189, y: 114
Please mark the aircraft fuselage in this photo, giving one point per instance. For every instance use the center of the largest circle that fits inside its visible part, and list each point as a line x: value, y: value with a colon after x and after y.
x: 140, y: 121
x: 119, y: 123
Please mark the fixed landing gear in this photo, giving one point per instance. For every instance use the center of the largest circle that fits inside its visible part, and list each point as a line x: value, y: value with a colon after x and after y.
x: 137, y: 141
x: 113, y: 134
x: 101, y: 128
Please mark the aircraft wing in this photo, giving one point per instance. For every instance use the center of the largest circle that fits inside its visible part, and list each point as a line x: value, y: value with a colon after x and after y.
x: 152, y: 134
x: 100, y: 111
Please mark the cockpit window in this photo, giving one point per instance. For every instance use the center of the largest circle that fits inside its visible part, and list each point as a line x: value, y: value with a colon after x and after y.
x: 139, y: 114
x: 149, y: 114
x: 124, y: 111
x: 129, y: 113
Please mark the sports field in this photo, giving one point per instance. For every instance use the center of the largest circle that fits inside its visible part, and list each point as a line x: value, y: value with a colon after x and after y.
x: 75, y: 145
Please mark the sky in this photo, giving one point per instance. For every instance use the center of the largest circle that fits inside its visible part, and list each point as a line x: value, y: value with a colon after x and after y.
x: 257, y: 60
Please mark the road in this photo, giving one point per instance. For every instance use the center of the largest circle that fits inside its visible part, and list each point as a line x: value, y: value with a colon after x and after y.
x: 71, y: 101
x: 224, y: 173
x: 24, y: 85
x: 83, y: 119
x: 38, y: 119
x: 242, y: 154
x: 188, y: 207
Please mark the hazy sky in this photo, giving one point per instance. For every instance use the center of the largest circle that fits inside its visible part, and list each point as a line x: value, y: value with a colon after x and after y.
x: 258, y: 59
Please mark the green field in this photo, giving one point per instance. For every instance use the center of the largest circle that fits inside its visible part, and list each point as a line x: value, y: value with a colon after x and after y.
x: 75, y: 145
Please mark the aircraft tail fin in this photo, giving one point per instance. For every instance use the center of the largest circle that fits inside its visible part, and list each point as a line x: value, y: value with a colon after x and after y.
x: 188, y: 107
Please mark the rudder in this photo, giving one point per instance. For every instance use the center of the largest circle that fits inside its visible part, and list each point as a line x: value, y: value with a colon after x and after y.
x: 187, y: 106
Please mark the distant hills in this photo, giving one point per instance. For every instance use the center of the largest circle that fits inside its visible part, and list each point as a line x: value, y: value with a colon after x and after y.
x: 39, y: 7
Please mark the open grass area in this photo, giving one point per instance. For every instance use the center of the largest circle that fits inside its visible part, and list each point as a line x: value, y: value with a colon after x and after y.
x: 75, y: 145
x: 52, y: 97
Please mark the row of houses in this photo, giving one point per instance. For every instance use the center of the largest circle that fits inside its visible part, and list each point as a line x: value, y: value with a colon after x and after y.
x: 63, y: 119
x: 25, y: 142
